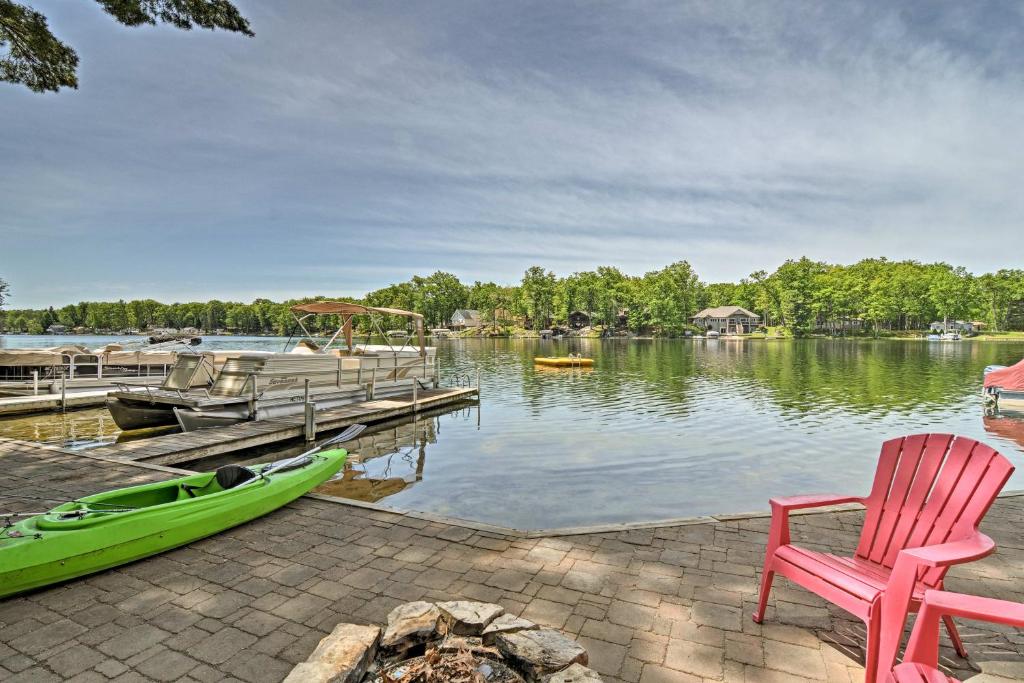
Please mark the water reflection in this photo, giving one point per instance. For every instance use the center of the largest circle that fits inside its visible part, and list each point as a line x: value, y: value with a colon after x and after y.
x: 74, y: 429
x: 1007, y: 426
x: 384, y: 462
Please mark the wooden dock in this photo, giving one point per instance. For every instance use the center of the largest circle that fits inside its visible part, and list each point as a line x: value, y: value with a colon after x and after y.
x: 171, y: 449
x: 42, y: 403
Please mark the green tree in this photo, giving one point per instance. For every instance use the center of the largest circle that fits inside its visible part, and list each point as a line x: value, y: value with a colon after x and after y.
x: 484, y: 297
x: 669, y: 298
x: 68, y: 316
x: 952, y: 292
x: 539, y: 293
x: 32, y: 56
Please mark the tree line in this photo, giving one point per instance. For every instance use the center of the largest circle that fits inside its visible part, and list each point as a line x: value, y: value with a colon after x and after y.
x: 801, y: 295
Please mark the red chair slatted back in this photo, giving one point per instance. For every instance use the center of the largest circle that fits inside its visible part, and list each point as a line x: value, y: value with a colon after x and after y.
x: 929, y: 489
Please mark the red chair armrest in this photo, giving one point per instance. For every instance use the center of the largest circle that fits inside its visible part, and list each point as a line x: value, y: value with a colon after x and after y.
x: 974, y: 607
x: 974, y: 547
x: 923, y: 647
x: 812, y: 501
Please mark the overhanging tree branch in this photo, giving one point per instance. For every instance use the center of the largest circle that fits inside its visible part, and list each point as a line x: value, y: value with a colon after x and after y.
x: 32, y: 56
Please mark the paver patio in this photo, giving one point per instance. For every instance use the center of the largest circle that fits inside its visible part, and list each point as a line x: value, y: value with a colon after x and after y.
x: 671, y: 603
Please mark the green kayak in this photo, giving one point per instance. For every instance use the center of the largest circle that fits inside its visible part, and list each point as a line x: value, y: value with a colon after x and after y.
x: 108, y: 529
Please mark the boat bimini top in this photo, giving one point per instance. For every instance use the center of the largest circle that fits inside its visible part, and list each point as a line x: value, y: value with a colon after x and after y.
x: 346, y: 311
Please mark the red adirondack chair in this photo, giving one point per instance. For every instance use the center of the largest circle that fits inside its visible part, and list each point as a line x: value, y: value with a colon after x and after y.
x: 920, y: 664
x: 929, y: 495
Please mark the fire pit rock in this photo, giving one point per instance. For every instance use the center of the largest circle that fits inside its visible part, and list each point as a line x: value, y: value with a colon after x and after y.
x: 506, y: 623
x: 464, y: 618
x: 451, y: 642
x: 411, y: 624
x: 540, y: 653
x: 577, y: 673
x: 341, y: 657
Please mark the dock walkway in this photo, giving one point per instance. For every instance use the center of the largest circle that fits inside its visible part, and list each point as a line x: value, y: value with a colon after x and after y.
x: 662, y: 604
x: 41, y: 403
x: 170, y: 449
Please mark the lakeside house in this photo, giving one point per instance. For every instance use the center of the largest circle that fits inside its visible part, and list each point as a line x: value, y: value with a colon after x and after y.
x: 465, y: 318
x: 56, y: 329
x: 727, y: 320
x: 579, y: 320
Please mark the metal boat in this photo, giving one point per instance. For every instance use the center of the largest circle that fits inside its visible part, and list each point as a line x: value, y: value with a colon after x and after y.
x: 261, y: 386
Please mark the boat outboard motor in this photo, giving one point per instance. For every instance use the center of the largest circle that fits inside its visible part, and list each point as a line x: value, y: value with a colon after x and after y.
x: 230, y: 476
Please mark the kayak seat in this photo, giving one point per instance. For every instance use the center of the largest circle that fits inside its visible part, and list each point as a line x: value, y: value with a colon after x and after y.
x: 230, y: 476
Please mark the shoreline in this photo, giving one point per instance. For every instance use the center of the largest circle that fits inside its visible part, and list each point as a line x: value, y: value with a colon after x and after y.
x: 604, y: 528
x: 917, y: 337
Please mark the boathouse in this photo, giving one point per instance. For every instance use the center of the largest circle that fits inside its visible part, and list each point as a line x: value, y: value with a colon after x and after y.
x: 464, y: 318
x: 727, y: 320
x: 579, y: 319
x: 953, y: 326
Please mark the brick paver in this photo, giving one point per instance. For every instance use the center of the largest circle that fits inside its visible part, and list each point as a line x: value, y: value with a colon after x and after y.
x: 651, y: 605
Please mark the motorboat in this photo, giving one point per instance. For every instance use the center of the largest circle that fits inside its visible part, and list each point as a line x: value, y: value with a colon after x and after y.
x: 1004, y: 386
x: 262, y: 385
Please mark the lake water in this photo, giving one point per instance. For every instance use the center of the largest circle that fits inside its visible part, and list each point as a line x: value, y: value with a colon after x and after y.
x: 658, y: 429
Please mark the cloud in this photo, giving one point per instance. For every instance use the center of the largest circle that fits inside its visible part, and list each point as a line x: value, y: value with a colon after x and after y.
x: 352, y: 145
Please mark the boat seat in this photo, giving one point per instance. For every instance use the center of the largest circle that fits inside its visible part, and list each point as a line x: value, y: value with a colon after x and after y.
x: 230, y: 476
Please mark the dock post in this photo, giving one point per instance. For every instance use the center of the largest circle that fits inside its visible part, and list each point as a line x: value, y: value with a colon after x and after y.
x: 415, y: 396
x: 35, y: 382
x: 478, y: 380
x: 63, y: 393
x: 252, y: 397
x: 373, y: 384
x: 310, y: 424
x: 310, y: 413
x: 437, y: 371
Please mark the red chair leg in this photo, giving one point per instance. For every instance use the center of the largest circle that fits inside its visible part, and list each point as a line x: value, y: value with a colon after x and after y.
x: 954, y: 635
x: 767, y: 576
x: 871, y: 644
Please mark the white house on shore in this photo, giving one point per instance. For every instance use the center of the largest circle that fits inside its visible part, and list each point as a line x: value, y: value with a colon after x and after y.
x: 727, y: 320
x: 465, y: 317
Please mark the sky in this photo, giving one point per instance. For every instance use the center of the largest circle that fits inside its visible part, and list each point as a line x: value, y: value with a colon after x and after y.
x: 351, y: 145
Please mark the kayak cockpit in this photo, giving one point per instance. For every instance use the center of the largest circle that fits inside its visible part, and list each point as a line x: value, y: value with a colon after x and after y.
x: 101, y: 507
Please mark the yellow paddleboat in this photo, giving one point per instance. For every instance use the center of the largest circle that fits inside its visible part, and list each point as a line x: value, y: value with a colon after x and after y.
x: 565, y: 362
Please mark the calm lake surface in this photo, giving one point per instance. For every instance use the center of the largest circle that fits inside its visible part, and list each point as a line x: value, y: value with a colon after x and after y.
x: 658, y: 429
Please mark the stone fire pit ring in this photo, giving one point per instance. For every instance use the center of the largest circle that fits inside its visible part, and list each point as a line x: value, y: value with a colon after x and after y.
x: 458, y: 641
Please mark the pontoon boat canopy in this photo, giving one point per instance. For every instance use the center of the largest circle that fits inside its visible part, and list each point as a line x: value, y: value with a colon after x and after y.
x: 348, y: 309
x: 1010, y: 379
